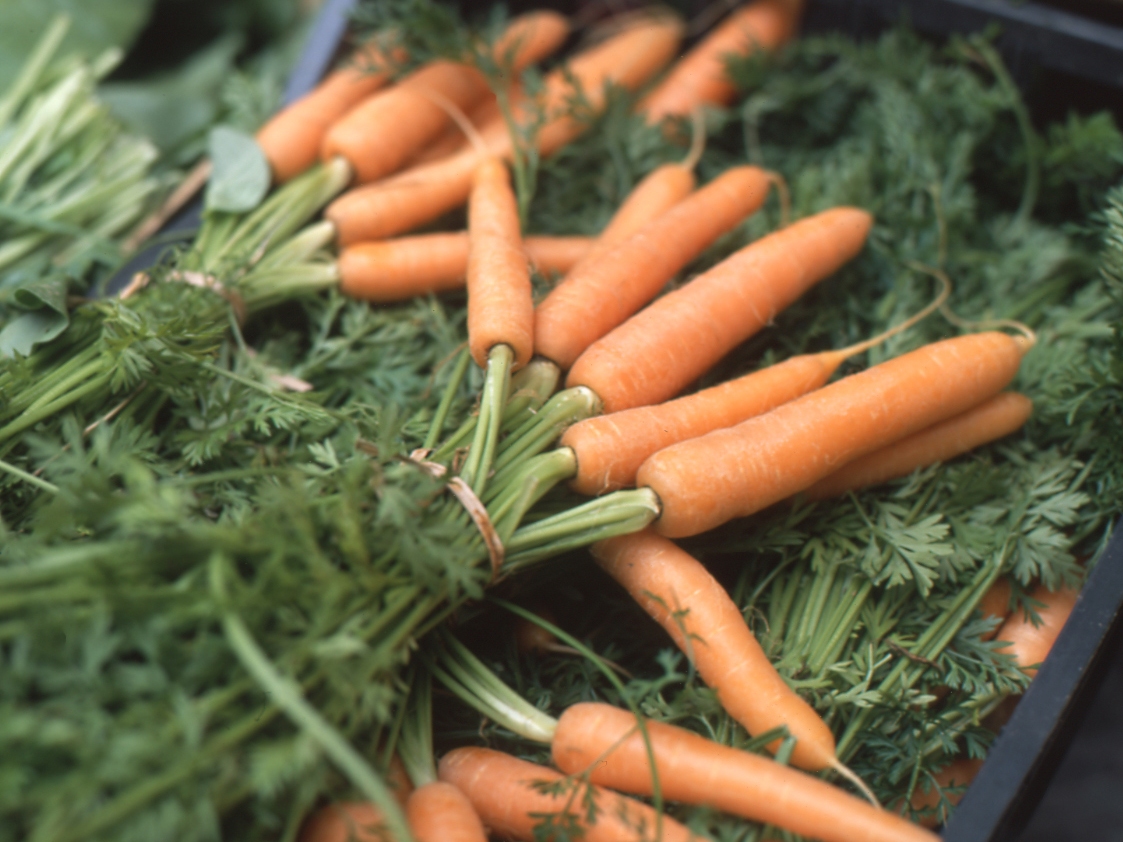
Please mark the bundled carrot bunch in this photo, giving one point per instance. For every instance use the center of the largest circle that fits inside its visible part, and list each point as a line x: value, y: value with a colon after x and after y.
x: 417, y: 131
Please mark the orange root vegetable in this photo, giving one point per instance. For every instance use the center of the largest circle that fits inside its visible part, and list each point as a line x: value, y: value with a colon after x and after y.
x: 601, y: 295
x: 655, y: 354
x: 990, y: 420
x: 291, y: 138
x: 995, y: 604
x: 421, y: 194
x: 611, y: 448
x: 959, y: 773
x: 740, y: 470
x: 453, y: 138
x: 680, y: 594
x: 500, y: 305
x: 345, y: 821
x: 394, y: 270
x: 699, y: 78
x: 378, y: 136
x: 605, y: 741
x: 502, y: 790
x: 1029, y: 643
x: 439, y: 812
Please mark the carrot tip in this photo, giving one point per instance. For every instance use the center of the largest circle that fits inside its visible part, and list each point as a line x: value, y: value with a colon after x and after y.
x: 849, y: 775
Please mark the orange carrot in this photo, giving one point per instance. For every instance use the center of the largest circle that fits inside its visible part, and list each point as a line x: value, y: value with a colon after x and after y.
x: 740, y: 470
x: 611, y: 448
x: 421, y: 194
x: 995, y: 604
x: 656, y: 353
x: 657, y: 192
x: 681, y: 595
x: 357, y: 821
x: 291, y: 138
x: 990, y: 420
x: 1029, y: 643
x: 605, y: 741
x: 590, y: 303
x: 379, y: 135
x: 500, y: 306
x: 393, y: 270
x: 345, y: 821
x: 957, y: 774
x: 699, y: 78
x: 453, y: 139
x: 439, y: 812
x: 502, y: 789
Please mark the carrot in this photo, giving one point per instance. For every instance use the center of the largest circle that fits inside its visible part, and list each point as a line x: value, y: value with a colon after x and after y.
x: 995, y: 604
x: 990, y: 420
x: 393, y: 270
x: 681, y: 595
x: 956, y: 775
x: 591, y: 302
x: 500, y: 306
x: 658, y: 191
x: 605, y: 741
x: 699, y: 78
x: 503, y: 791
x: 345, y: 821
x: 610, y: 448
x: 357, y: 821
x: 740, y: 470
x: 453, y: 139
x: 1030, y: 643
x: 656, y: 353
x: 421, y: 194
x: 379, y: 135
x: 291, y: 138
x: 439, y: 812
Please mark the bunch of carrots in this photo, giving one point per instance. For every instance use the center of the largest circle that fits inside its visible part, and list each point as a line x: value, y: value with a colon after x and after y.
x: 658, y: 465
x: 438, y: 139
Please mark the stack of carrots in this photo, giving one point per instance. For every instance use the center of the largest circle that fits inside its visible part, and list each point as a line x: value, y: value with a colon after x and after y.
x: 726, y: 452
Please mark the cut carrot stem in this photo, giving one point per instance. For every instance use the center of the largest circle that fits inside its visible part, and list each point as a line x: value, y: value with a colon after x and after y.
x: 439, y: 812
x: 590, y: 303
x: 680, y: 594
x: 699, y: 78
x: 421, y: 194
x: 740, y: 470
x: 603, y: 742
x: 659, y: 351
x: 514, y: 796
x: 990, y: 420
x: 379, y: 135
x: 394, y: 270
x: 291, y: 138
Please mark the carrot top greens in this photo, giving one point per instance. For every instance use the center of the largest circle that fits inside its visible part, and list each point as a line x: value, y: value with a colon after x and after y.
x: 211, y: 582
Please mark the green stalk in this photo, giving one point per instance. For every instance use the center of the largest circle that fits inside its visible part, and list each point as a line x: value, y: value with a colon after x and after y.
x: 541, y: 430
x: 286, y: 694
x: 439, y: 417
x: 415, y: 742
x: 619, y: 513
x: 28, y: 478
x: 538, y: 476
x: 33, y: 67
x: 481, y: 454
